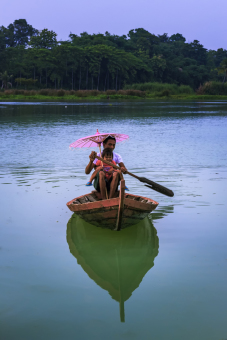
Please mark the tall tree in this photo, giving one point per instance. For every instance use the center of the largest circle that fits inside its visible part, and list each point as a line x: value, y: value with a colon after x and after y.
x: 105, y: 61
x: 177, y: 37
x: 18, y: 33
x: 23, y: 32
x: 44, y: 39
x: 5, y: 78
x: 222, y: 69
x: 9, y: 36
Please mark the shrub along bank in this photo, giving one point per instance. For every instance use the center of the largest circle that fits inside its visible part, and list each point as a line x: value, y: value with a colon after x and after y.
x: 145, y: 90
x: 210, y: 90
x: 213, y: 88
x: 161, y: 89
x: 77, y: 94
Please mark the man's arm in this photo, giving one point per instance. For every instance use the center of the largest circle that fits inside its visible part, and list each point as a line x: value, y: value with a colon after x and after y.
x: 123, y: 168
x: 90, y: 165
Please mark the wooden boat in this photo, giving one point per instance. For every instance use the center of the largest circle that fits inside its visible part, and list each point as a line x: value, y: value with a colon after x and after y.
x: 116, y: 213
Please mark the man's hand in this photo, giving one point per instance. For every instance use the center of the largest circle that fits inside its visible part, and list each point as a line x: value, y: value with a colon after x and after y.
x: 92, y: 156
x: 123, y: 169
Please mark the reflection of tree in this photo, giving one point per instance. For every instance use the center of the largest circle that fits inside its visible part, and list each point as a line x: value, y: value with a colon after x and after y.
x: 117, y: 262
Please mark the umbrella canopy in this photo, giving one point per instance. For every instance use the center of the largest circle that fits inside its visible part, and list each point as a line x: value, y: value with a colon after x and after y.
x: 97, y: 139
x: 117, y: 262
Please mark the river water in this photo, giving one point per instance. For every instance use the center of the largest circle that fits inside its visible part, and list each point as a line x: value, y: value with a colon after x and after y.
x: 164, y: 278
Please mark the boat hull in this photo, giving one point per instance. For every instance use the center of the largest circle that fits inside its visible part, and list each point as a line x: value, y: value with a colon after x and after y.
x: 104, y: 213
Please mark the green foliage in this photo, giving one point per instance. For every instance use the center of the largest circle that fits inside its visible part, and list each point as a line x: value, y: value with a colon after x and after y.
x: 101, y: 62
x: 60, y: 93
x: 222, y: 69
x: 177, y: 37
x: 161, y: 89
x: 213, y: 88
x: 24, y: 81
x: 78, y: 94
x: 18, y: 33
x: 158, y: 66
x: 44, y: 39
x: 5, y: 78
x: 23, y: 32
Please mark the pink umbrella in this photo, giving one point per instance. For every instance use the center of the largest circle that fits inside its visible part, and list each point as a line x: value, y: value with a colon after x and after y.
x: 97, y: 139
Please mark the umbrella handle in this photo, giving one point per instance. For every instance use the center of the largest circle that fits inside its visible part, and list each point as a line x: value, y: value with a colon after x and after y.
x: 100, y: 152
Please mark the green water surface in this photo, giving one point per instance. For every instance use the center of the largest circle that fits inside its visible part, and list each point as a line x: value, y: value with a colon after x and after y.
x: 62, y: 278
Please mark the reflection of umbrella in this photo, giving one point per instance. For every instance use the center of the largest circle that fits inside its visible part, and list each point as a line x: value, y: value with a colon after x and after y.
x: 117, y: 262
x: 97, y: 139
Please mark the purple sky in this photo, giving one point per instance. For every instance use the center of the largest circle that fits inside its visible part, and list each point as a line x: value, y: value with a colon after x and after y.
x: 203, y: 20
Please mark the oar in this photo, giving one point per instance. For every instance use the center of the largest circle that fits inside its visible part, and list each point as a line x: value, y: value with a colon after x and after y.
x: 151, y: 184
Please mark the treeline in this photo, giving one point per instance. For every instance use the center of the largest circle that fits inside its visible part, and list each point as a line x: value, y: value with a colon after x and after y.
x: 33, y: 59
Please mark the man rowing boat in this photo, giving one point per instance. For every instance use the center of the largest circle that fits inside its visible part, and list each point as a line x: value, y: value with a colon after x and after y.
x: 99, y: 182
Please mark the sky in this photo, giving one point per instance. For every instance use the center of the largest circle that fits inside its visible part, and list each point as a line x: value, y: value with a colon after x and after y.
x: 203, y: 20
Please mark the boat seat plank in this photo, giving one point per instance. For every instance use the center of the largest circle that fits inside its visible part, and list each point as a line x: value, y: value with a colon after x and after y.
x: 91, y: 198
x: 76, y: 202
x: 83, y: 199
x: 130, y: 197
x: 134, y: 198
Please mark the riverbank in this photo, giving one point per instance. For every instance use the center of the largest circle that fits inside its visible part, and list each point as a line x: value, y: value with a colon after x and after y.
x: 103, y: 97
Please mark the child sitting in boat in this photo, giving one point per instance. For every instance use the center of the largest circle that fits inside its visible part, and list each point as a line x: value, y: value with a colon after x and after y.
x: 107, y: 155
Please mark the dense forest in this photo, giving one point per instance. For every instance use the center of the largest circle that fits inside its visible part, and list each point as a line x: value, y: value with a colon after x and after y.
x: 36, y: 59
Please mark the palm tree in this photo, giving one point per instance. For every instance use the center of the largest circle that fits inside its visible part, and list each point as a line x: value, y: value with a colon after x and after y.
x: 4, y: 77
x: 223, y: 69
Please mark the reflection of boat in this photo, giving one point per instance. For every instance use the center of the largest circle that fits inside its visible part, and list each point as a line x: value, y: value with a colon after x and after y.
x: 117, y: 262
x: 112, y: 213
x: 163, y: 211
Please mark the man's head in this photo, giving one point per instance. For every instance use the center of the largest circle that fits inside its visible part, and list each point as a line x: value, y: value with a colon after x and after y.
x: 109, y: 143
x: 107, y: 154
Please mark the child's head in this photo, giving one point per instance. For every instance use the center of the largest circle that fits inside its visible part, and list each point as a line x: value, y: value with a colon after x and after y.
x: 107, y: 154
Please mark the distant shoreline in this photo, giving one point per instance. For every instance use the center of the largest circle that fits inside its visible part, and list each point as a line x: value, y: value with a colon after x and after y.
x: 105, y: 98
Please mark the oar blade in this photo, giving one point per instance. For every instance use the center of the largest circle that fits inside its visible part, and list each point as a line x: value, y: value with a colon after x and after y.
x: 157, y: 187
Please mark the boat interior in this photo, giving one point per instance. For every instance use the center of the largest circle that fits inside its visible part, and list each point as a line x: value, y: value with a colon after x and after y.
x: 95, y: 196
